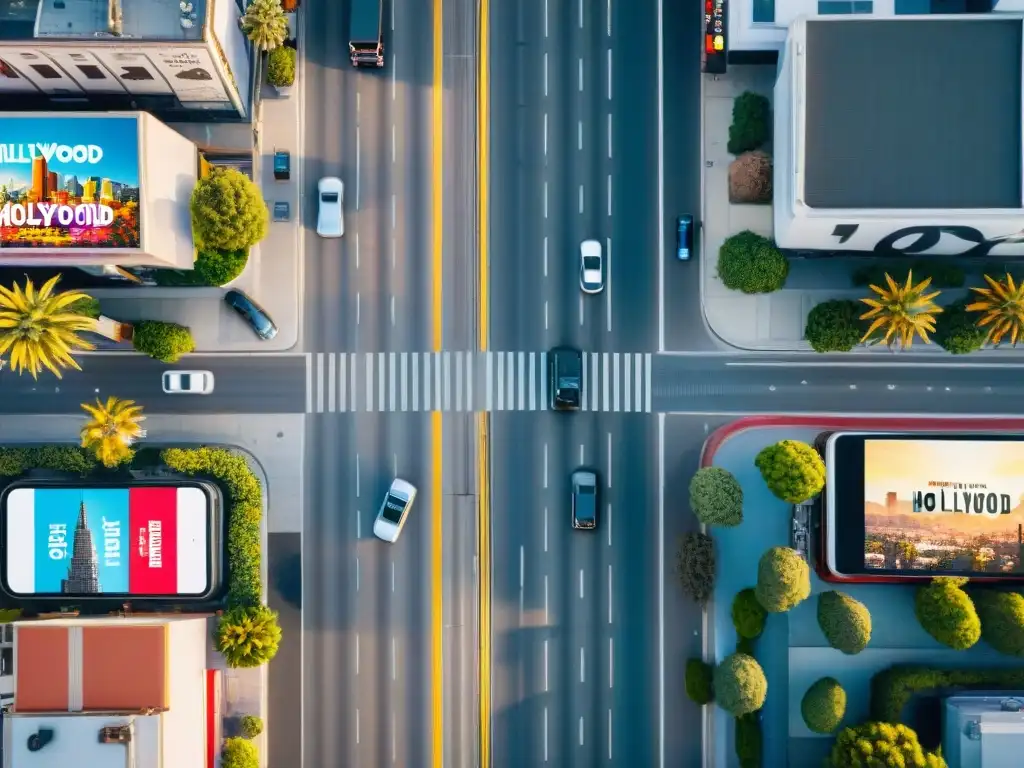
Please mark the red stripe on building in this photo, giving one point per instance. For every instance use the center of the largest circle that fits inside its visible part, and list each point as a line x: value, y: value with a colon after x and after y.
x: 153, y: 524
x: 212, y: 716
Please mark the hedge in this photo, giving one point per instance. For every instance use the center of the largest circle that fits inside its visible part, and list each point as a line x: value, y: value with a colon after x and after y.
x: 845, y: 622
x: 245, y: 510
x: 751, y: 123
x: 880, y: 744
x: 166, y: 342
x: 835, y: 326
x: 699, y: 686
x: 15, y: 461
x: 239, y: 753
x: 88, y: 307
x: 1002, y: 620
x: 947, y: 613
x: 281, y: 67
x: 739, y: 684
x: 823, y: 705
x: 747, y: 740
x: 783, y: 580
x: 695, y: 565
x: 750, y: 263
x: 892, y: 688
x: 942, y: 275
x: 716, y: 497
x: 748, y: 615
x: 957, y: 330
x: 212, y: 268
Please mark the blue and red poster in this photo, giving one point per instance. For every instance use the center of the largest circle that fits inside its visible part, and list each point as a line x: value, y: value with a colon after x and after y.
x: 146, y: 540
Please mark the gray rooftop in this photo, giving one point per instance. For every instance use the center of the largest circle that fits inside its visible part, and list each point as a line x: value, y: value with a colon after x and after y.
x: 913, y: 114
x: 140, y: 19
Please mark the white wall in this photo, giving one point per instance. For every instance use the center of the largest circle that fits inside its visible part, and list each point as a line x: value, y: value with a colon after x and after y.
x: 168, y: 171
x: 227, y: 40
x: 184, y: 725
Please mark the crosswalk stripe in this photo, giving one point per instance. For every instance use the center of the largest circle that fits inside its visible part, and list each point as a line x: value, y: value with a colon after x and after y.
x: 319, y: 382
x: 404, y: 377
x: 426, y: 381
x: 510, y: 379
x: 543, y: 372
x: 447, y: 401
x: 533, y: 383
x: 627, y: 401
x: 415, y: 381
x: 489, y: 379
x: 342, y: 383
x: 500, y: 382
x: 470, y: 359
x: 647, y: 382
x: 615, y: 382
x: 604, y: 383
x: 369, y: 381
x: 585, y: 382
x: 594, y: 402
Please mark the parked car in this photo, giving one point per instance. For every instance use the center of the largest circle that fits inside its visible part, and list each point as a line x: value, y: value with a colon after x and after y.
x: 584, y: 500
x: 591, y: 267
x: 256, y: 316
x: 188, y: 382
x: 394, y: 511
x: 684, y: 236
x: 330, y: 221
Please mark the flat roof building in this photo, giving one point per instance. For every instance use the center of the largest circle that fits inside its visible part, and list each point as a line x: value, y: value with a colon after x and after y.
x: 894, y: 133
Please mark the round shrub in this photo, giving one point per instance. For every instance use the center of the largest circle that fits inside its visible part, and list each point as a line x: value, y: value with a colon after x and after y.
x: 251, y: 726
x: 228, y: 211
x: 716, y: 497
x: 739, y: 684
x: 239, y: 753
x: 824, y: 705
x: 751, y: 123
x: 834, y: 326
x: 217, y: 268
x: 695, y: 564
x: 165, y: 342
x: 947, y: 613
x: 699, y: 682
x: 783, y: 580
x: 845, y: 622
x: 880, y: 745
x: 792, y: 470
x: 750, y: 263
x: 957, y: 330
x: 747, y: 740
x: 748, y: 615
x: 1002, y: 620
x: 248, y: 637
x: 281, y: 67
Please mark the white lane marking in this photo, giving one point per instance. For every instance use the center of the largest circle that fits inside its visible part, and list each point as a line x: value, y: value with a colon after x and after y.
x: 581, y: 14
x: 659, y: 228
x: 582, y: 447
x: 545, y: 315
x: 357, y: 475
x: 545, y: 73
x: 581, y: 309
x: 545, y: 465
x: 609, y: 733
x: 545, y: 529
x: 394, y: 143
x: 522, y: 574
x: 545, y: 199
x: 359, y: 535
x: 545, y: 666
x: 545, y: 255
x: 581, y: 198
x: 547, y: 620
x: 393, y: 29
x: 357, y: 156
x: 609, y: 18
x: 609, y: 526
x: 394, y: 659
x: 357, y: 725
x: 359, y: 301
x: 357, y: 574
x: 661, y: 557
x: 579, y: 135
x: 580, y: 69
x: 392, y: 309
x: 609, y: 593
x: 608, y: 271
x: 581, y: 731
x: 545, y: 134
x: 581, y: 583
x: 394, y: 465
x: 545, y: 18
x: 609, y: 74
x: 357, y: 250
x: 394, y: 60
x: 609, y: 194
x: 392, y: 575
x: 583, y: 675
x: 609, y: 135
x: 611, y: 663
x: 545, y: 734
x: 609, y: 459
x: 357, y: 653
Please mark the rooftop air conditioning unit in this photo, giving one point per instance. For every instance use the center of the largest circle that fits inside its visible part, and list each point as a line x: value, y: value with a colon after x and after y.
x: 40, y: 739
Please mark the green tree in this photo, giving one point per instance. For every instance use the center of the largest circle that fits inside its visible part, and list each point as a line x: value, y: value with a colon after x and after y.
x: 1003, y: 306
x: 957, y: 331
x: 748, y: 740
x: 166, y: 342
x: 248, y: 637
x: 748, y: 615
x: 834, y: 326
x: 716, y: 497
x: 751, y: 123
x: 792, y: 470
x: 907, y: 551
x: 239, y: 753
x: 750, y: 263
x: 845, y: 622
x: 902, y: 312
x: 880, y: 745
x: 112, y: 428
x: 1002, y: 620
x: 947, y: 613
x: 251, y: 726
x: 783, y: 580
x: 699, y: 682
x: 265, y: 24
x: 739, y: 684
x: 228, y: 211
x: 41, y: 328
x: 695, y: 565
x: 824, y: 705
x: 281, y: 67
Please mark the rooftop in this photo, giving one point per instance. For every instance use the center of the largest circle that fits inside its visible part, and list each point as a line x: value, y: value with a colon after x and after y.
x: 76, y: 741
x: 916, y: 113
x: 140, y: 19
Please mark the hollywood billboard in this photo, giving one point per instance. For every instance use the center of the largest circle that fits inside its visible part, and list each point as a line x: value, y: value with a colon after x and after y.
x: 151, y: 540
x: 69, y: 182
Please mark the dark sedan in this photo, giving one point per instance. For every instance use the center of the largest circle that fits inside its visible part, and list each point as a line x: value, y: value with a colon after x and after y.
x: 256, y: 316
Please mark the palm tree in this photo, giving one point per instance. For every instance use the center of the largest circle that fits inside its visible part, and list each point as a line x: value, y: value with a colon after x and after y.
x: 112, y: 428
x: 40, y: 329
x: 903, y: 311
x: 1003, y: 305
x: 265, y: 24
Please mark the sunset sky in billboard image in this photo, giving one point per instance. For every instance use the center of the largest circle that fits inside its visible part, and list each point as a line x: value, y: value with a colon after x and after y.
x: 69, y: 182
x: 951, y: 505
x: 148, y: 540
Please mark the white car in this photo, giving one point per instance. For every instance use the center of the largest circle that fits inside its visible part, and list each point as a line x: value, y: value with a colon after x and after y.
x: 330, y: 221
x: 591, y: 267
x: 188, y: 382
x: 394, y: 511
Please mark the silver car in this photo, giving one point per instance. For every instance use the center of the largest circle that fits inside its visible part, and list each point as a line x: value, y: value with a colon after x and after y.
x: 330, y: 221
x: 591, y: 267
x: 394, y: 511
x: 188, y: 382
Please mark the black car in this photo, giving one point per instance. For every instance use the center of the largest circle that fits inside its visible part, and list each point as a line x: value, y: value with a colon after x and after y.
x: 565, y: 378
x: 255, y: 315
x: 584, y: 500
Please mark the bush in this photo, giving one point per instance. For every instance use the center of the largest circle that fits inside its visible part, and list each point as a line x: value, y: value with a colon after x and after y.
x: 212, y: 268
x: 792, y: 470
x: 716, y: 497
x: 824, y: 705
x: 747, y: 740
x: 751, y: 123
x: 7, y: 615
x: 942, y: 275
x: 877, y: 745
x: 783, y: 580
x: 748, y: 615
x: 698, y: 682
x: 248, y: 637
x: 957, y: 330
x: 228, y: 211
x: 281, y: 67
x: 892, y: 688
x: 251, y: 726
x: 845, y: 622
x: 695, y: 564
x: 946, y: 613
x: 739, y: 684
x: 239, y: 753
x: 835, y: 326
x: 166, y: 342
x: 750, y: 263
x: 750, y: 178
x: 87, y: 307
x: 745, y: 645
x: 1002, y: 620
x: 15, y: 461
x: 245, y: 510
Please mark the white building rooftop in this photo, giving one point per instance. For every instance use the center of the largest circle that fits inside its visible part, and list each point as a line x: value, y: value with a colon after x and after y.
x: 140, y: 19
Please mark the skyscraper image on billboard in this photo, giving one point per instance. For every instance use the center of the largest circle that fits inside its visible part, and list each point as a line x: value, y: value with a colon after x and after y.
x: 69, y: 182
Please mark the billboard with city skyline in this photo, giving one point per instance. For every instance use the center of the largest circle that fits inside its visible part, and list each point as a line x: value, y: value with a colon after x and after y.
x: 143, y: 540
x: 944, y: 505
x: 69, y: 182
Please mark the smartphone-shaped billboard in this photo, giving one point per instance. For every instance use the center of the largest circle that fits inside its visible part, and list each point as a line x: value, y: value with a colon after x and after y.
x: 146, y: 540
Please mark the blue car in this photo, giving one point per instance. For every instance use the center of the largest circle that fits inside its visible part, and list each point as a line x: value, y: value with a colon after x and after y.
x: 255, y: 315
x: 684, y: 236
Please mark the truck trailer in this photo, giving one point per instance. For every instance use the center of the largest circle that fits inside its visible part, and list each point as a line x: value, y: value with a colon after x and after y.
x: 366, y: 33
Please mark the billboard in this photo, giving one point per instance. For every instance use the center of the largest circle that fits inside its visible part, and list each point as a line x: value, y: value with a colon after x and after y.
x: 948, y: 505
x: 150, y: 540
x: 69, y: 182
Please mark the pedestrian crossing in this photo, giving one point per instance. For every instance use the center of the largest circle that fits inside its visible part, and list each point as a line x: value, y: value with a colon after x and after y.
x: 350, y: 382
